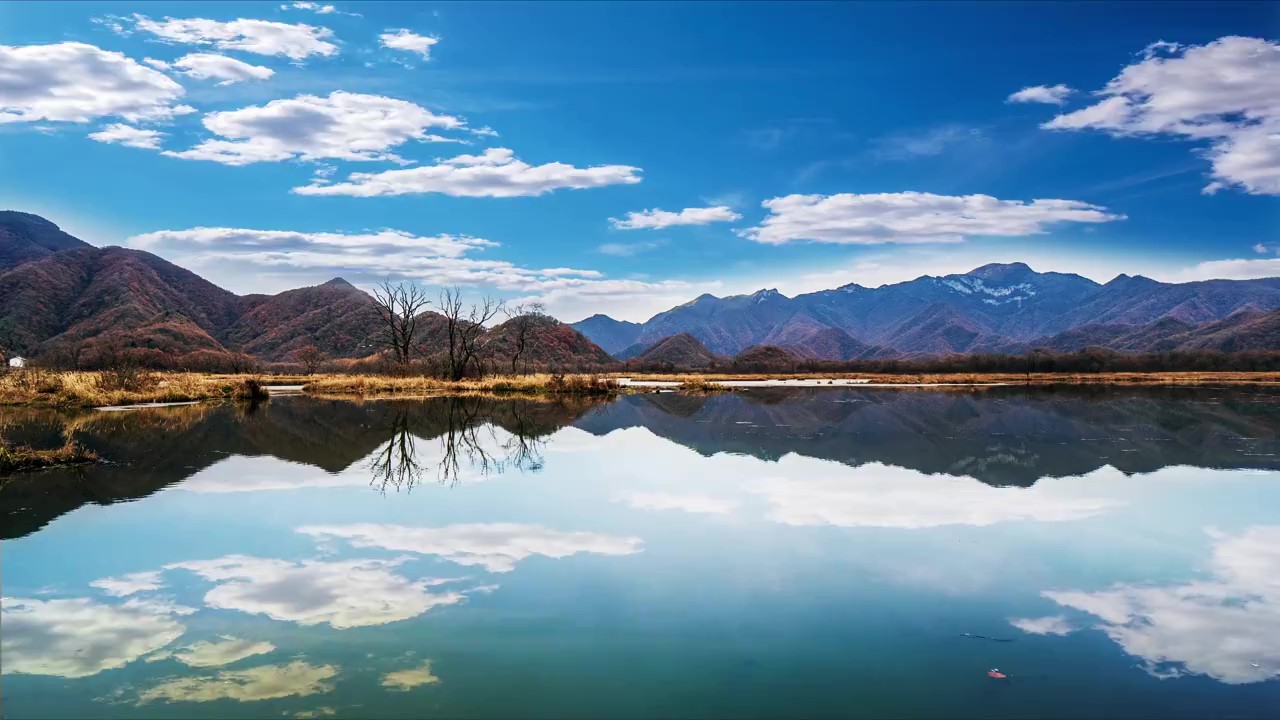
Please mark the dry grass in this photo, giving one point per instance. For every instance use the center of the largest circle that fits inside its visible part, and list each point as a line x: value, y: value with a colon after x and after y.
x: 36, y: 387
x: 529, y: 385
x: 45, y: 388
x: 701, y: 386
x: 20, y: 459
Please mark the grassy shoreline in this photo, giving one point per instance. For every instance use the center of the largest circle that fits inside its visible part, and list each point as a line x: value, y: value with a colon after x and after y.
x: 43, y: 388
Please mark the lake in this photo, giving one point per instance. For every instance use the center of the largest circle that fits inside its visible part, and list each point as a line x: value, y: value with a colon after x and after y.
x: 766, y: 553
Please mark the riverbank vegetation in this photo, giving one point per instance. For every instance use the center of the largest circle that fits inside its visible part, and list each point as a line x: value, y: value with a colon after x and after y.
x: 69, y: 389
x: 21, y: 458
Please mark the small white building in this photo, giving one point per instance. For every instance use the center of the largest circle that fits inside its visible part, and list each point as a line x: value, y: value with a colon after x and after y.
x: 17, y: 362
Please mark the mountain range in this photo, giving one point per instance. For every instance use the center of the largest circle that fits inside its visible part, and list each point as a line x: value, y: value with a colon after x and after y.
x: 1001, y: 308
x: 60, y: 296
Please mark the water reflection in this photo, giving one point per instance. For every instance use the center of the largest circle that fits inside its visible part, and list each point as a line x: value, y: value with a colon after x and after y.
x: 1225, y: 626
x: 475, y: 435
x: 79, y: 637
x: 672, y: 555
x: 999, y: 436
x: 266, y: 682
x: 467, y: 430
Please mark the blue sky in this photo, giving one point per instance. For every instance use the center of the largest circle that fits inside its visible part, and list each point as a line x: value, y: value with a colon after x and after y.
x: 798, y: 146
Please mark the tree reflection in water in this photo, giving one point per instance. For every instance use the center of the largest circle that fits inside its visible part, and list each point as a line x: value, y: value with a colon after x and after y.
x: 466, y: 428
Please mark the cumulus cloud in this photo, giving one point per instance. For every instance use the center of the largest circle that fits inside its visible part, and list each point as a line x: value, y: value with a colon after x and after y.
x: 77, y: 82
x: 348, y: 594
x: 129, y: 584
x: 408, y: 41
x: 223, y: 651
x: 210, y: 66
x: 1223, y: 92
x: 656, y: 219
x: 262, y: 37
x: 1049, y: 94
x: 691, y: 503
x: 121, y: 134
x: 1227, y: 628
x: 912, y: 217
x: 342, y: 126
x: 267, y: 682
x: 404, y: 680
x: 495, y: 173
x: 1050, y: 625
x: 497, y: 547
x: 78, y: 637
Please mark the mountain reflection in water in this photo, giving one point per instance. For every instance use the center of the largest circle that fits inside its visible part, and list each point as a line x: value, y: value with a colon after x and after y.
x: 768, y: 553
x: 998, y: 436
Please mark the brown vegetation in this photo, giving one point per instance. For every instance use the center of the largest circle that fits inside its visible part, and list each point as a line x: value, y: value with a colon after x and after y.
x: 20, y: 459
x: 100, y: 389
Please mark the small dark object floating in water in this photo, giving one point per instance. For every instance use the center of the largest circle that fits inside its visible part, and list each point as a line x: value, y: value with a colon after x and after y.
x: 984, y: 637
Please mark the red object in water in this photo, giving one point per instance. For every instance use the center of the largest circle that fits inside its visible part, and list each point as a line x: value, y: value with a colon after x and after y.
x: 994, y: 673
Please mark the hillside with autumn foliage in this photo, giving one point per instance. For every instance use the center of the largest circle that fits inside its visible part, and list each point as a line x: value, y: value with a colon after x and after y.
x: 70, y: 304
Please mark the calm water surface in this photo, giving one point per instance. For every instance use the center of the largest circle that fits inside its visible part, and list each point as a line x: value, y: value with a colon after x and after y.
x: 817, y: 553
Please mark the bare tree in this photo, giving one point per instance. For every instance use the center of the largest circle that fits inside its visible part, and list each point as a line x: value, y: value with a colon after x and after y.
x: 397, y: 307
x: 396, y: 464
x: 464, y: 327
x: 523, y: 317
x: 311, y: 358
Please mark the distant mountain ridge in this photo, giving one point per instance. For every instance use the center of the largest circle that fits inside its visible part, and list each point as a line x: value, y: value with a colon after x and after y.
x: 60, y: 295
x: 994, y: 308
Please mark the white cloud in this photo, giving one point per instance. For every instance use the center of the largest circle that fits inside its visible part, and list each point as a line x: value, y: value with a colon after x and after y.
x: 316, y: 8
x: 209, y: 66
x: 1050, y: 625
x: 240, y: 258
x: 687, y: 502
x: 656, y: 219
x: 225, y: 239
x: 912, y: 217
x: 404, y: 680
x: 408, y: 41
x: 1223, y: 92
x: 347, y: 594
x: 76, y: 82
x: 262, y: 37
x: 78, y: 637
x: 1049, y: 94
x: 129, y: 584
x: 495, y: 173
x: 343, y: 126
x: 497, y: 547
x: 121, y: 134
x: 1229, y: 269
x: 1227, y: 628
x: 805, y: 492
x: 268, y: 682
x: 224, y: 651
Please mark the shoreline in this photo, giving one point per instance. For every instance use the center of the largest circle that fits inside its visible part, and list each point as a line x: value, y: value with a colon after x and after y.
x: 88, y: 389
